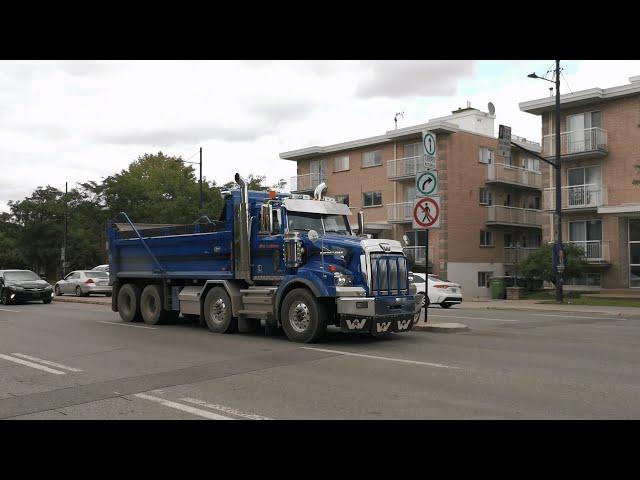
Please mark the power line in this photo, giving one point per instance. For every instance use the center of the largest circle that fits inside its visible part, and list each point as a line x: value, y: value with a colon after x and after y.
x: 565, y: 81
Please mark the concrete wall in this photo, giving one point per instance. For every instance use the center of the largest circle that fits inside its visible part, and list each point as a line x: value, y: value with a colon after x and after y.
x: 466, y: 274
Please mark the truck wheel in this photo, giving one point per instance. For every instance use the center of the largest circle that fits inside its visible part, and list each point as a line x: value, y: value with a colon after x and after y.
x: 303, y: 317
x: 217, y: 312
x: 151, y: 306
x: 129, y: 303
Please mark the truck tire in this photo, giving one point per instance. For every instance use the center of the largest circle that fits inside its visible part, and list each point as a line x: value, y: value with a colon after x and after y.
x: 129, y: 303
x: 303, y: 317
x: 217, y: 312
x: 151, y: 306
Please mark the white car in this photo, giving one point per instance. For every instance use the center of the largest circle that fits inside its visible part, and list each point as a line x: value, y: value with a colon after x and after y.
x: 101, y: 268
x: 441, y: 292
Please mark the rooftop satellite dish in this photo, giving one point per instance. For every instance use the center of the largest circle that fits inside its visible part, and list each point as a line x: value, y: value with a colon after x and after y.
x: 492, y: 108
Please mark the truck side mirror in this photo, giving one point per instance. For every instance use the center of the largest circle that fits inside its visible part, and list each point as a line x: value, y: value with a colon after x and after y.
x: 266, y: 219
x: 361, y: 223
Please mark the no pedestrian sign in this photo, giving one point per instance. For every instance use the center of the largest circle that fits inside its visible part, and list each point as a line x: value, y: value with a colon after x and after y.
x: 427, y: 183
x: 426, y: 212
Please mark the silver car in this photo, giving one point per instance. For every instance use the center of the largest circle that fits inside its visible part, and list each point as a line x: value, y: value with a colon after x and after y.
x: 84, y: 282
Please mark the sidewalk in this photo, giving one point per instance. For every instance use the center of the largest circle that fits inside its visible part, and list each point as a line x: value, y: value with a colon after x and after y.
x: 102, y: 300
x: 534, y: 305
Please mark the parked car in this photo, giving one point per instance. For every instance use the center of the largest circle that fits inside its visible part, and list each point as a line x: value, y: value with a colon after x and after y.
x: 23, y: 285
x: 83, y: 283
x: 441, y: 292
x: 101, y: 268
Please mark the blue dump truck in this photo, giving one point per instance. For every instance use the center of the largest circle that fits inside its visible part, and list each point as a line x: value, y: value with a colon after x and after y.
x: 270, y: 261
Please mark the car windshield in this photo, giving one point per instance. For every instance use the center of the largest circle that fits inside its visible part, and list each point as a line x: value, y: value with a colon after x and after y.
x: 96, y: 274
x: 435, y: 278
x: 303, y: 222
x: 21, y: 275
x: 418, y: 279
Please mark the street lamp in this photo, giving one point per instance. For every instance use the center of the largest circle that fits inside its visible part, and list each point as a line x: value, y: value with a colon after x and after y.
x: 558, y: 224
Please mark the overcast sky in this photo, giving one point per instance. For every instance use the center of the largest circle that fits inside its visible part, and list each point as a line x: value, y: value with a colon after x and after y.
x: 84, y: 120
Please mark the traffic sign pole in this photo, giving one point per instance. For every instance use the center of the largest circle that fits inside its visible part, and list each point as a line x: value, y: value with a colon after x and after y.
x: 426, y: 269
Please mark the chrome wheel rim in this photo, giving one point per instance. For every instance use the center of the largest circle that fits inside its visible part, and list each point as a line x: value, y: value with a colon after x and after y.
x: 299, y: 317
x: 218, y: 310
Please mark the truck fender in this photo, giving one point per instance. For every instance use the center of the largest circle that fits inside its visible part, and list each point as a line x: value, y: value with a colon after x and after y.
x: 232, y: 289
x: 295, y: 282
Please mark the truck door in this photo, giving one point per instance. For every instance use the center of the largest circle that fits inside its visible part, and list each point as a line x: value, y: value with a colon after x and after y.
x: 266, y: 255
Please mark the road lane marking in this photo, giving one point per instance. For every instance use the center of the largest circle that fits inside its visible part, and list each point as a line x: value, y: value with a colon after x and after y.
x: 400, y: 360
x: 126, y: 325
x: 224, y: 409
x: 7, y: 310
x: 46, y: 362
x: 185, y: 408
x: 31, y: 364
x: 474, y: 318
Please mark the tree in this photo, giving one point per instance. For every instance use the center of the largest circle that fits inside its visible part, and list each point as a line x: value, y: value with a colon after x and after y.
x: 539, y: 264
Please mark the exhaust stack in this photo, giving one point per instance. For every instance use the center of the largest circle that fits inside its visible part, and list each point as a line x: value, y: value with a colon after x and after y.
x: 242, y: 234
x: 320, y: 189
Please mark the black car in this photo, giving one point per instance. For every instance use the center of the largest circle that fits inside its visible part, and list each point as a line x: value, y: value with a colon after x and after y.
x: 23, y: 285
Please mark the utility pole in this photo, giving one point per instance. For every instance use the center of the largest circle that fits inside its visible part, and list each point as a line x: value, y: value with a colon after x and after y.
x: 558, y: 252
x: 200, y: 178
x: 64, y: 251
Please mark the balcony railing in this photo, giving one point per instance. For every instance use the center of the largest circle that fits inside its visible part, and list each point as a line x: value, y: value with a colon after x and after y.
x: 499, y: 172
x: 415, y: 255
x: 517, y: 254
x: 576, y: 196
x: 576, y: 142
x: 500, y: 215
x: 595, y: 251
x: 400, y: 212
x: 406, y: 167
x: 307, y: 182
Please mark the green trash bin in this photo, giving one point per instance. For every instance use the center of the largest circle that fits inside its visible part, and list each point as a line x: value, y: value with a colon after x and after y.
x: 498, y: 288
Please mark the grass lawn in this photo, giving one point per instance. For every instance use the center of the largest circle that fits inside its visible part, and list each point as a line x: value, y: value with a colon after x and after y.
x: 576, y: 298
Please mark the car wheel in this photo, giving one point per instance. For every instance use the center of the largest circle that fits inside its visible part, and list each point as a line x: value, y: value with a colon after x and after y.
x: 446, y: 305
x: 57, y: 291
x: 4, y: 298
x: 79, y: 292
x: 46, y: 300
x: 303, y: 317
x: 217, y: 311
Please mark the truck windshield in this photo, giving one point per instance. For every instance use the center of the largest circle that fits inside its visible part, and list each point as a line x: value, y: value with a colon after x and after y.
x: 303, y: 222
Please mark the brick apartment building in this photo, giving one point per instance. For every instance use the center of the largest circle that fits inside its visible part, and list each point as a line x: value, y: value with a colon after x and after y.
x: 491, y: 215
x: 600, y: 144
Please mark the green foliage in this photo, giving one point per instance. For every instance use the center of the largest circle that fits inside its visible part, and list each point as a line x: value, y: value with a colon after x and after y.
x: 154, y: 189
x: 539, y: 264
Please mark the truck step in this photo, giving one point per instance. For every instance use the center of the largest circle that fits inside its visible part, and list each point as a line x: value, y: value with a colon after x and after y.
x: 254, y: 313
x: 257, y: 299
x: 259, y: 291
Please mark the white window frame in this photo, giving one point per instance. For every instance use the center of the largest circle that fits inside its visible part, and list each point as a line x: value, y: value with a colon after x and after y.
x: 487, y: 279
x: 487, y: 155
x: 341, y: 163
x: 487, y: 198
x: 488, y: 236
x: 372, y: 152
x: 372, y: 193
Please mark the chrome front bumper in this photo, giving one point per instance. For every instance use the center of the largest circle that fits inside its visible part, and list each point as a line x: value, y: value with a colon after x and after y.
x: 377, y: 315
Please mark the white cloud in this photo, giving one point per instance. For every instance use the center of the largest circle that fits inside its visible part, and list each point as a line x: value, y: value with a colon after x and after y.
x: 77, y: 121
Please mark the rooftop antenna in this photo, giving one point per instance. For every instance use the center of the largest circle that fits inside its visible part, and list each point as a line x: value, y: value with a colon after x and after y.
x: 398, y: 115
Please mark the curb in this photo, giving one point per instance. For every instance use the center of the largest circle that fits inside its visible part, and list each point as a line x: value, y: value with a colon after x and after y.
x: 442, y: 327
x: 77, y: 300
x: 532, y: 309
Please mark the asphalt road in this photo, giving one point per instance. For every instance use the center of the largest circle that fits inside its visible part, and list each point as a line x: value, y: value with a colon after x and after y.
x: 75, y: 361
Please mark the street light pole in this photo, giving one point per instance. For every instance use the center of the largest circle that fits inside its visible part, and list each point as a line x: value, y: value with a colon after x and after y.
x: 201, y: 179
x: 558, y: 253
x: 560, y: 265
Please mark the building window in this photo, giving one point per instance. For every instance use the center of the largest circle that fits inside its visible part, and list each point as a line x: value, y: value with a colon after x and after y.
x: 484, y: 279
x: 372, y: 199
x: 412, y: 150
x: 486, y: 155
x: 508, y: 201
x: 581, y: 131
x: 342, y: 199
x: 372, y: 159
x: 485, y: 197
x: 340, y: 164
x: 586, y: 280
x: 634, y: 253
x: 508, y: 240
x: 532, y: 201
x: 486, y: 238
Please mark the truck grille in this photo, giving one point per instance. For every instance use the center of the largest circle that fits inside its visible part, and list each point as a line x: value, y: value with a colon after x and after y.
x: 389, y: 274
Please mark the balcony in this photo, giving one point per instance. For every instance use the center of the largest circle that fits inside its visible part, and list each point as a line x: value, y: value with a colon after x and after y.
x: 595, y: 251
x: 415, y: 255
x: 514, y: 255
x: 513, y: 216
x: 589, y: 196
x: 590, y: 142
x: 307, y: 182
x: 400, y: 212
x: 522, y: 177
x: 404, y: 168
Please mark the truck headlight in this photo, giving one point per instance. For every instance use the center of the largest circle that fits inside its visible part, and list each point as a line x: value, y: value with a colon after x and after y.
x: 343, y: 280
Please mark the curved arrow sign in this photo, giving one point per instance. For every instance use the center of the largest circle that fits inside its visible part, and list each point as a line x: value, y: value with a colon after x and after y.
x: 427, y: 183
